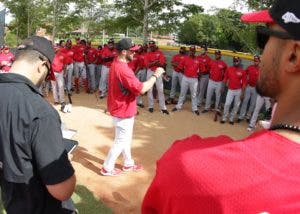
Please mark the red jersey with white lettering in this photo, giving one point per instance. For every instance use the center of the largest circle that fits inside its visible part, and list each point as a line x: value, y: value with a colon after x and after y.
x: 58, y: 62
x: 123, y: 88
x: 190, y: 66
x: 79, y: 53
x: 91, y: 55
x: 205, y: 59
x: 252, y: 72
x: 69, y: 55
x: 6, y: 60
x: 99, y: 57
x: 217, y: 70
x: 178, y: 58
x: 152, y: 56
x: 236, y: 78
x: 106, y: 52
x: 134, y: 63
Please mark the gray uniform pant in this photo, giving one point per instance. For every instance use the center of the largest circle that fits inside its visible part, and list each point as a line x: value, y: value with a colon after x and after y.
x: 232, y: 95
x: 58, y: 87
x: 142, y: 76
x: 79, y: 70
x: 250, y: 94
x: 213, y: 87
x: 202, y: 86
x: 69, y: 70
x: 176, y: 78
x: 160, y: 91
x: 104, y: 80
x: 91, y: 76
x: 192, y: 84
x: 260, y: 101
x: 98, y: 75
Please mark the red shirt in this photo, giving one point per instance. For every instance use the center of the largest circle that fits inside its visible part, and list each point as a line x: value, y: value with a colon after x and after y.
x: 99, y: 57
x: 154, y: 56
x: 217, y: 70
x: 205, y: 59
x: 142, y: 64
x: 259, y: 174
x: 134, y: 63
x: 91, y: 55
x: 69, y: 55
x: 106, y: 52
x: 58, y: 62
x: 190, y: 66
x: 252, y: 73
x: 236, y: 77
x: 6, y: 60
x: 79, y: 53
x: 177, y: 58
x: 123, y: 88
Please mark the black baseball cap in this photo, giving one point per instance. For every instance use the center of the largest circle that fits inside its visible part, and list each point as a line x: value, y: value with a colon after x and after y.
x: 39, y: 44
x: 285, y: 13
x: 152, y: 43
x: 126, y: 44
x: 111, y: 40
x: 218, y: 52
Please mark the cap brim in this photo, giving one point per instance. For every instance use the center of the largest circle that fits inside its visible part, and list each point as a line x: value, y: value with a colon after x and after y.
x: 258, y: 16
x: 134, y: 48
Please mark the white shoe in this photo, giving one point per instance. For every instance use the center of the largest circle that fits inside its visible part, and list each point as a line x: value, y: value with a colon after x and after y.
x: 250, y: 129
x: 264, y: 124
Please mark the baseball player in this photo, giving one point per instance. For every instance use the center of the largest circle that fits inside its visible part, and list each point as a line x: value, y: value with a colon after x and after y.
x: 142, y: 72
x: 176, y: 74
x: 190, y: 67
x: 153, y: 60
x: 79, y: 65
x: 69, y: 55
x: 91, y: 60
x: 252, y: 73
x: 236, y: 78
x: 98, y: 65
x: 108, y: 55
x: 203, y: 75
x: 215, y: 83
x: 260, y: 101
x: 6, y: 59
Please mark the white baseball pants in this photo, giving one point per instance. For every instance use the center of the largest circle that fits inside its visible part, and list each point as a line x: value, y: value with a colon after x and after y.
x: 250, y: 94
x: 79, y: 70
x: 176, y: 78
x: 91, y: 76
x: 58, y: 87
x: 122, y: 143
x: 142, y: 76
x: 202, y: 86
x: 192, y: 84
x: 232, y: 95
x: 104, y: 80
x: 69, y: 70
x: 260, y: 101
x: 213, y: 87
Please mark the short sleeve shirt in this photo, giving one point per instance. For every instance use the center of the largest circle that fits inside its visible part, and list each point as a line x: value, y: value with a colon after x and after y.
x: 32, y: 154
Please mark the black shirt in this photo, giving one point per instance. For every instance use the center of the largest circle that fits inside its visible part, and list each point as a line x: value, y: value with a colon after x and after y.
x: 32, y: 154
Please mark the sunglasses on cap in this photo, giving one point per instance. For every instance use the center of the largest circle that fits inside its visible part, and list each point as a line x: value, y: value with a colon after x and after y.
x: 263, y: 34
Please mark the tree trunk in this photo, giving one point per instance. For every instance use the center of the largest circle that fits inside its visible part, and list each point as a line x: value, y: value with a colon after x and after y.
x: 54, y: 21
x: 145, y: 21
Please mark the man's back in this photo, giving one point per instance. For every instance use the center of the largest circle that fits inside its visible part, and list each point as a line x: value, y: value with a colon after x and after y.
x: 31, y: 150
x: 218, y: 175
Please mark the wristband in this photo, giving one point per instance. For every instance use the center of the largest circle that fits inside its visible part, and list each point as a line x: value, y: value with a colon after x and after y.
x: 154, y: 76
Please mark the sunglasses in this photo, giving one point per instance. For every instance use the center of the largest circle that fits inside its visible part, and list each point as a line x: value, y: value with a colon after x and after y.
x: 263, y: 34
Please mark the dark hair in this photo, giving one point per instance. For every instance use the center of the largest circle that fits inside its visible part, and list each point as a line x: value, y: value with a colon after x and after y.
x: 61, y: 41
x: 31, y: 56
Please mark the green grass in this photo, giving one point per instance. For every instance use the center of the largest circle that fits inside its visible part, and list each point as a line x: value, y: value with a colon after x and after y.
x: 84, y: 201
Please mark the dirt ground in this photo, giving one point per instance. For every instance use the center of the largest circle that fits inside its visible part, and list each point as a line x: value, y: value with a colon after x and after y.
x: 153, y: 135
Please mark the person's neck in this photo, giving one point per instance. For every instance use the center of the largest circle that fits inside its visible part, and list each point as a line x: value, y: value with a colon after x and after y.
x: 122, y: 58
x: 287, y: 113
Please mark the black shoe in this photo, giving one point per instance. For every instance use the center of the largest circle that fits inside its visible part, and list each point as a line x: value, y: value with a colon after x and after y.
x: 231, y: 122
x: 101, y: 97
x: 165, y: 111
x: 222, y: 121
x: 150, y: 110
x: 248, y: 120
x: 141, y: 105
x: 204, y: 111
x: 239, y: 120
x: 196, y: 112
x: 174, y: 109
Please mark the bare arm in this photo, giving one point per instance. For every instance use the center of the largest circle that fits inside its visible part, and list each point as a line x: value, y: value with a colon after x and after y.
x: 150, y: 82
x: 62, y: 191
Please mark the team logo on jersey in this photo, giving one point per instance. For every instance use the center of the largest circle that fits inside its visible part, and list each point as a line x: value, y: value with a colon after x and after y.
x: 239, y: 73
x: 221, y: 66
x: 289, y: 17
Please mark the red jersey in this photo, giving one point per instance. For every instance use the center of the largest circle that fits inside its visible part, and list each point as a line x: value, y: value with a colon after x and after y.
x: 69, y: 55
x: 236, y: 77
x: 142, y: 64
x: 252, y: 72
x: 106, y: 52
x: 178, y: 58
x: 123, y: 88
x: 6, y: 60
x: 205, y: 59
x: 79, y: 53
x: 99, y: 57
x: 91, y: 55
x: 259, y: 174
x: 134, y: 63
x: 58, y: 62
x: 154, y: 56
x: 190, y: 66
x: 217, y: 70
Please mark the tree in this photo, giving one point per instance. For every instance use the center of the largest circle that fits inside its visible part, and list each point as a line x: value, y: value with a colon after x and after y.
x: 256, y: 4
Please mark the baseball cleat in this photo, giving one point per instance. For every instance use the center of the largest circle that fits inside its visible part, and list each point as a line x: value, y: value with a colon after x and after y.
x: 151, y: 110
x: 196, y: 112
x: 204, y: 111
x: 174, y: 109
x: 134, y: 168
x: 165, y: 111
x: 114, y: 172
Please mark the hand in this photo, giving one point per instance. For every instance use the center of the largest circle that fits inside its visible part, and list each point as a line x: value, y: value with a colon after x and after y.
x: 166, y: 78
x: 159, y: 71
